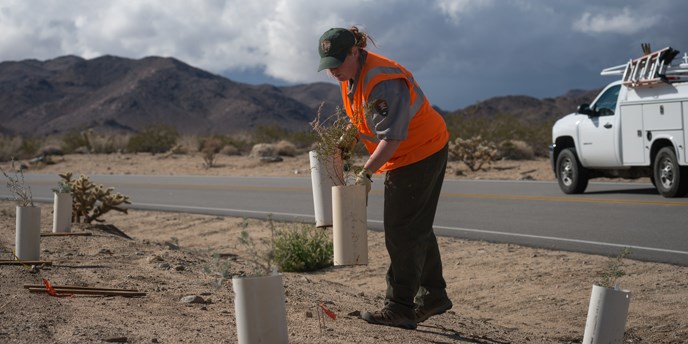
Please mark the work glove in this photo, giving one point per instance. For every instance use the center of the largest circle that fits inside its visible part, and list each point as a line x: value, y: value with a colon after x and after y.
x: 346, y: 145
x: 363, y: 178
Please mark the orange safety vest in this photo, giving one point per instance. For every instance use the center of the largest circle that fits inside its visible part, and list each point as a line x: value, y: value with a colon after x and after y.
x: 427, y: 132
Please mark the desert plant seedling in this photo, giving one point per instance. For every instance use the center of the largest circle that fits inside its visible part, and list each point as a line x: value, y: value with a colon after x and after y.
x: 334, y: 133
x: 16, y: 184
x: 221, y: 268
x: 261, y: 254
x: 614, y: 270
x: 303, y: 248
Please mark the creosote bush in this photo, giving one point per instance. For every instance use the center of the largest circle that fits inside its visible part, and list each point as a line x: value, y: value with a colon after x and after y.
x: 74, y: 141
x: 303, y: 248
x: 154, y: 138
x: 10, y: 147
x: 18, y: 147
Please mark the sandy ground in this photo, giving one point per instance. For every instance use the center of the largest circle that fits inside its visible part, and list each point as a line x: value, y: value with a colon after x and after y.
x: 501, y: 293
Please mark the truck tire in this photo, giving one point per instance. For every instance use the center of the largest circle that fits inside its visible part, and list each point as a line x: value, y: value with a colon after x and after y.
x: 671, y: 180
x: 571, y: 175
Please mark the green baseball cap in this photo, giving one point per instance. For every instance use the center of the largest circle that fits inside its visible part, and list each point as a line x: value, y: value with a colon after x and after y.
x: 333, y: 47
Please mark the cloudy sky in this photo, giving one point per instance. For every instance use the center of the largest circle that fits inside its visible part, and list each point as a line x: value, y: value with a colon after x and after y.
x: 461, y: 51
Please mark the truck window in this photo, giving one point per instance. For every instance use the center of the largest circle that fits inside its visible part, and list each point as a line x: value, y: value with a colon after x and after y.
x: 606, y: 104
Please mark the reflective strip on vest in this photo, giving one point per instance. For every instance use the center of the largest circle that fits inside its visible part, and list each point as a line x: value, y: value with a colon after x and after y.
x: 420, y: 97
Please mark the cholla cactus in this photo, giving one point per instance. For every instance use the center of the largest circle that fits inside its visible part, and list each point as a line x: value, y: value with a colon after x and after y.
x: 474, y: 152
x: 91, y: 201
x: 63, y: 186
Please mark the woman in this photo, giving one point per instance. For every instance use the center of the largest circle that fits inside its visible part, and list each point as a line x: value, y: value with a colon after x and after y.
x: 407, y: 139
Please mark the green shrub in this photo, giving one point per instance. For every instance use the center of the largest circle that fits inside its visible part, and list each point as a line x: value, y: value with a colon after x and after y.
x: 73, y: 140
x: 31, y: 145
x: 154, y: 138
x: 303, y: 248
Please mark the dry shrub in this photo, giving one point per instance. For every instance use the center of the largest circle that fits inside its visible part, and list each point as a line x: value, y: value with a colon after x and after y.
x: 52, y: 145
x: 262, y: 150
x: 209, y: 149
x: 10, y: 147
x: 16, y: 185
x: 286, y: 148
x: 188, y: 143
x: 110, y: 143
x: 230, y: 150
x: 516, y: 150
x: 50, y: 149
x: 105, y: 143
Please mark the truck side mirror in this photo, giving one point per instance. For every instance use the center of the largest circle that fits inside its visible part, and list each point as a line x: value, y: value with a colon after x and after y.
x: 584, y: 109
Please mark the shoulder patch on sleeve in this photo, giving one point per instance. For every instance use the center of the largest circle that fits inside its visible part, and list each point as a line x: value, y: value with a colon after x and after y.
x: 381, y: 107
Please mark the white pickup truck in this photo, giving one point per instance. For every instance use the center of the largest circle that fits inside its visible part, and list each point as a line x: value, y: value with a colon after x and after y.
x: 636, y: 127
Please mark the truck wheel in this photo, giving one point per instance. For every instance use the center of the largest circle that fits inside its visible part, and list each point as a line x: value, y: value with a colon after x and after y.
x: 671, y: 180
x: 571, y: 175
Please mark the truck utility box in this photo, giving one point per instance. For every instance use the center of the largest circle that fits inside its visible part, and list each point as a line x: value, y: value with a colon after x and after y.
x: 636, y: 127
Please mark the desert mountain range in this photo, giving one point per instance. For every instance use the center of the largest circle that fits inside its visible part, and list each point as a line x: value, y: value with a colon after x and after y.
x: 115, y: 93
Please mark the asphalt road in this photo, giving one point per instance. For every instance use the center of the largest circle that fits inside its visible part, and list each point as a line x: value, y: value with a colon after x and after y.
x: 609, y: 217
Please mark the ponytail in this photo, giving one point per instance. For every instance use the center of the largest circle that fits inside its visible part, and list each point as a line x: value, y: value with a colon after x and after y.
x: 362, y: 38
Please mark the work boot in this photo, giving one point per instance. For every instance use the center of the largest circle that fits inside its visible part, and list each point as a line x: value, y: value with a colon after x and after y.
x: 388, y: 317
x: 426, y: 311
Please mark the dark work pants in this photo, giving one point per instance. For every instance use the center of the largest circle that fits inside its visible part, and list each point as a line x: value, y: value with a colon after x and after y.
x: 411, y: 196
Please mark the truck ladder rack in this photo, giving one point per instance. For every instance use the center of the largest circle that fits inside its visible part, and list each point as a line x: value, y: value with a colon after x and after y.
x: 651, y: 69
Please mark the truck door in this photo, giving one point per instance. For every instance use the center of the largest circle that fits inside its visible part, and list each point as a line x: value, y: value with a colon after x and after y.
x: 597, y: 132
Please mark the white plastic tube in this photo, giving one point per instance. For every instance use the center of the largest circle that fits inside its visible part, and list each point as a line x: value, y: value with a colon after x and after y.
x: 350, y: 225
x: 607, y: 314
x: 325, y: 173
x: 260, y: 311
x: 28, y: 233
x: 62, y: 212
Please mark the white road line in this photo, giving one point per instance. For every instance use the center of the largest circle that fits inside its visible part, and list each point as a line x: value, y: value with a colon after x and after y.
x: 222, y: 210
x: 456, y: 229
x: 588, y: 242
